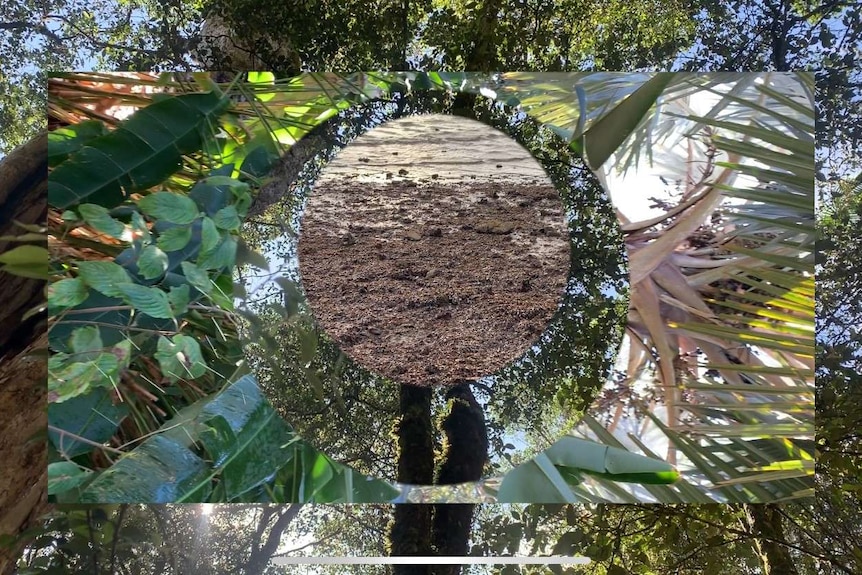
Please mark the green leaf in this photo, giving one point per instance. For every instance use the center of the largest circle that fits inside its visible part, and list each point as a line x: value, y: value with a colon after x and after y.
x: 180, y: 358
x: 103, y: 277
x: 610, y: 131
x: 158, y: 471
x: 70, y: 139
x: 265, y: 78
x: 149, y: 300
x: 174, y: 239
x: 197, y: 277
x: 101, y: 221
x: 153, y: 262
x: 179, y: 299
x: 170, y: 207
x: 222, y: 258
x: 536, y: 481
x: 93, y: 417
x: 609, y: 462
x: 246, y: 443
x: 65, y: 475
x: 86, y: 340
x: 245, y: 449
x: 66, y: 293
x: 210, y: 235
x: 227, y: 218
x: 258, y: 163
x: 26, y: 261
x: 222, y: 295
x: 81, y: 377
x: 143, y: 151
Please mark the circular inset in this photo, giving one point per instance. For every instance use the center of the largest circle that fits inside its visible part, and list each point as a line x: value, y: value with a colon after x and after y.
x: 428, y: 279
x: 359, y: 416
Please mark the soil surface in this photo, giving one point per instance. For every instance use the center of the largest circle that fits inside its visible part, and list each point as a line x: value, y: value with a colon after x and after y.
x: 432, y: 283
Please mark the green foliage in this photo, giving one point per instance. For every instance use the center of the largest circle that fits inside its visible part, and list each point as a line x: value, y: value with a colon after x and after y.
x: 232, y: 447
x: 182, y: 238
x: 114, y: 314
x: 140, y: 153
x: 26, y: 261
x: 558, y: 36
x: 82, y: 421
x: 838, y: 313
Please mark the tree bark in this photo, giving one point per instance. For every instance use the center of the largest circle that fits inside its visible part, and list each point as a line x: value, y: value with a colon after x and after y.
x: 766, y: 523
x: 410, y: 531
x: 23, y: 361
x: 463, y: 461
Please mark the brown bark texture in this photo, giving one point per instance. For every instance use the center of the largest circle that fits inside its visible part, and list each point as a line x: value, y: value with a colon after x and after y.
x: 23, y: 357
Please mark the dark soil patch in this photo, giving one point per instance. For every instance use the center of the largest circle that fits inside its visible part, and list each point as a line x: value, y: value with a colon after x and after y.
x: 434, y: 284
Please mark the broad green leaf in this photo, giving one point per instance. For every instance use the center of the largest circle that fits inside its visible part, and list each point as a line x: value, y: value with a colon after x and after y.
x: 258, y: 162
x: 227, y: 218
x: 101, y: 221
x: 260, y: 439
x: 110, y: 314
x: 210, y: 236
x: 179, y: 300
x: 69, y: 139
x: 93, y: 417
x: 174, y: 239
x: 65, y: 475
x: 180, y: 358
x: 221, y: 258
x: 210, y: 197
x: 222, y: 295
x: 81, y: 377
x: 153, y: 262
x: 149, y: 300
x: 160, y: 470
x: 103, y: 277
x: 86, y: 340
x: 604, y: 137
x: 609, y: 462
x: 197, y: 277
x: 170, y: 207
x: 66, y: 293
x: 536, y: 481
x: 142, y: 152
x: 26, y: 261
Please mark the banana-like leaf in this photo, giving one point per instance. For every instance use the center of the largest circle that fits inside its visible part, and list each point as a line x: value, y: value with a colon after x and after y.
x: 223, y: 449
x: 546, y: 477
x: 142, y: 152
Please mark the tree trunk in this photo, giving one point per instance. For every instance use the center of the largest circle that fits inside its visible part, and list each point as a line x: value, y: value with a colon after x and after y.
x: 463, y: 461
x: 410, y: 531
x: 23, y: 365
x: 765, y: 521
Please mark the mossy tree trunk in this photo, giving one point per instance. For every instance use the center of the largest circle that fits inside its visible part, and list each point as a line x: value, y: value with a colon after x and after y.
x: 443, y: 529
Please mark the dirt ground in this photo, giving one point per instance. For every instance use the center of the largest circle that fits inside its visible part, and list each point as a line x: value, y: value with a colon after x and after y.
x: 432, y: 283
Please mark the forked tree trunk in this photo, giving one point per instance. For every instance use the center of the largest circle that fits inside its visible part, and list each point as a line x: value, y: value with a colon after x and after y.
x: 23, y: 359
